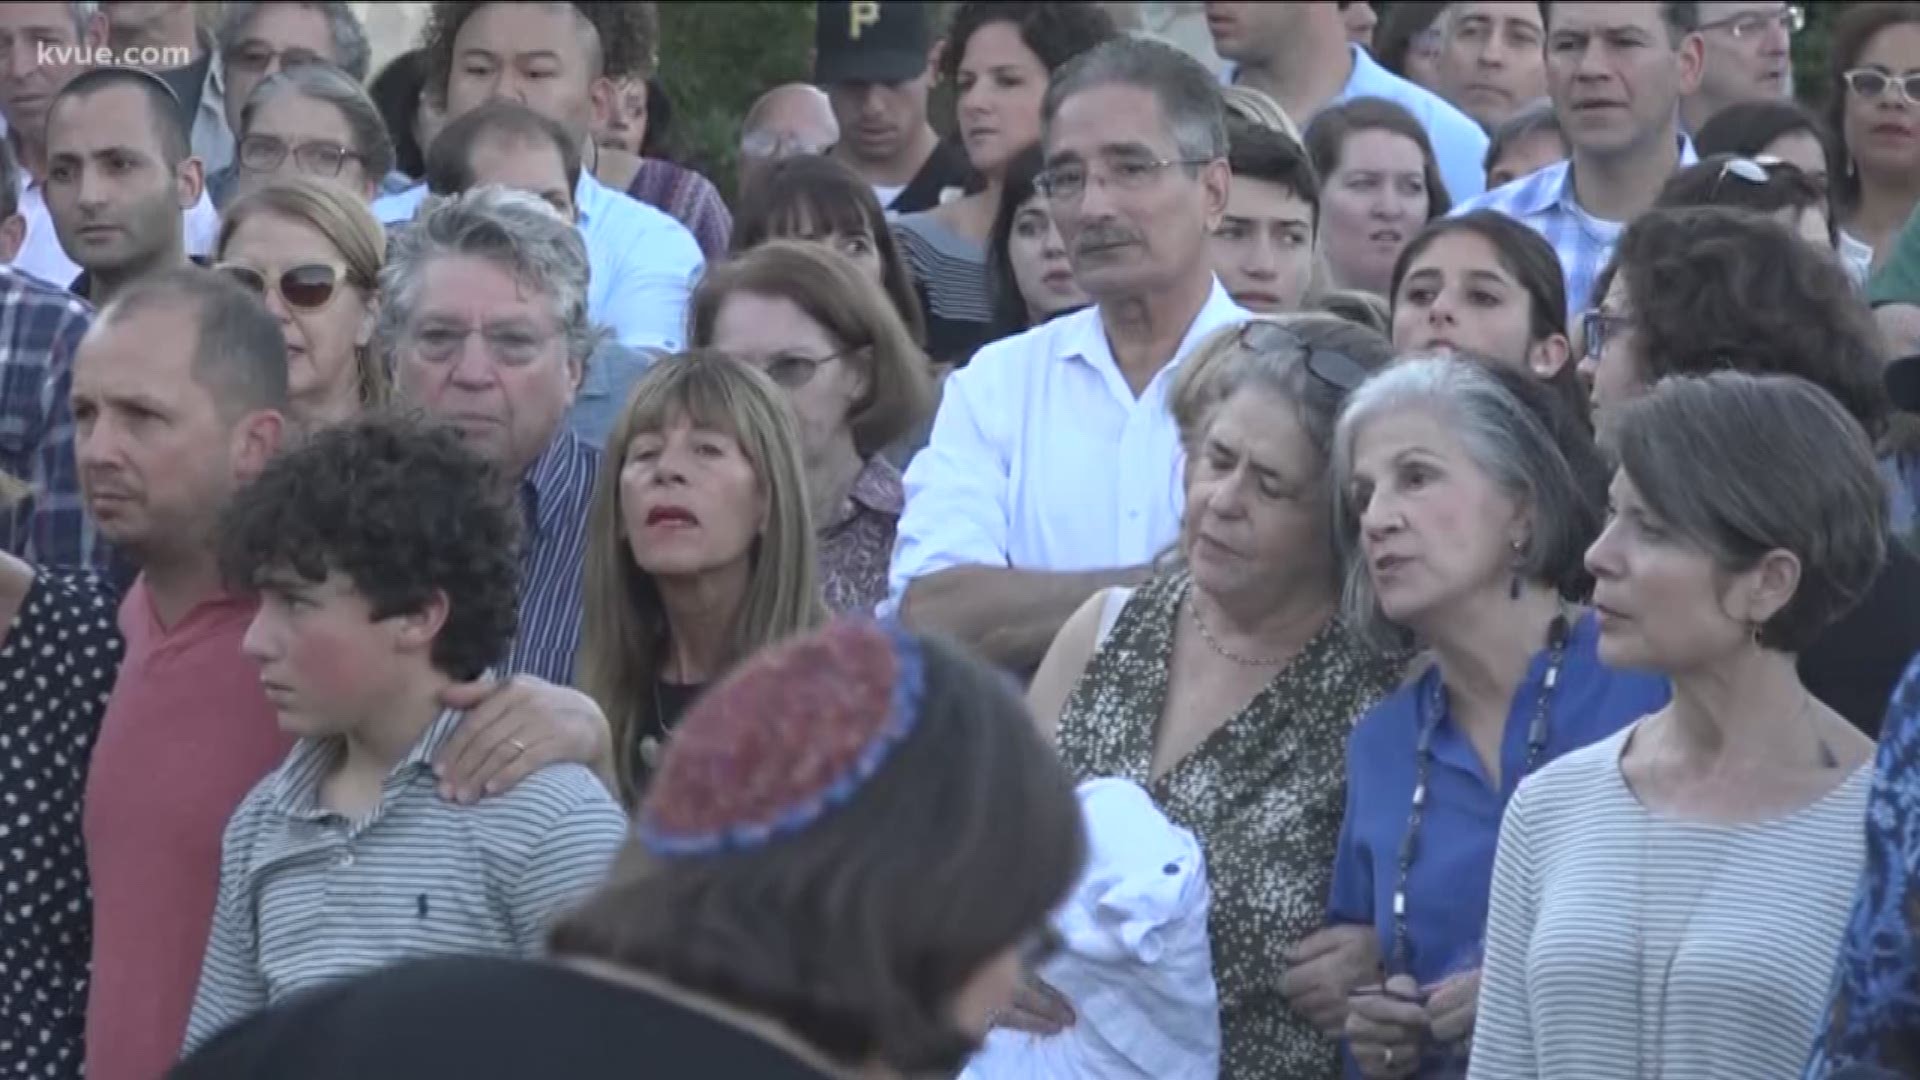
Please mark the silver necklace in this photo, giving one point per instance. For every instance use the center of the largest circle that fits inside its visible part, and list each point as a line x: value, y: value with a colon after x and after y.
x: 1214, y: 643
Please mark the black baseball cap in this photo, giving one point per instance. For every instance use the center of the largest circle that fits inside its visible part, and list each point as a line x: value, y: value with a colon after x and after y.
x: 871, y: 41
x: 1903, y: 383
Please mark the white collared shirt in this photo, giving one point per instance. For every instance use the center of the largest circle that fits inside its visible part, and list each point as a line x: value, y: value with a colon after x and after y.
x: 1042, y: 458
x: 42, y: 256
x: 643, y: 262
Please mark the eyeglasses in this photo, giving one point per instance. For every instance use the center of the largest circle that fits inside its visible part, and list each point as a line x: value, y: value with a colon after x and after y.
x: 1337, y: 370
x: 264, y: 153
x: 1754, y: 23
x: 308, y: 286
x: 773, y: 146
x: 258, y: 57
x: 1598, y: 326
x: 1870, y: 84
x: 1068, y: 181
x: 510, y: 346
x: 794, y: 372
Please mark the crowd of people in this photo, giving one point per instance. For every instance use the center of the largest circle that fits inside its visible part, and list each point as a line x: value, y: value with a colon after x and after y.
x: 1396, y: 558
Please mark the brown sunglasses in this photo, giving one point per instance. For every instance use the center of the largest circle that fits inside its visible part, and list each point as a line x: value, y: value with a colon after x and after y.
x: 308, y: 286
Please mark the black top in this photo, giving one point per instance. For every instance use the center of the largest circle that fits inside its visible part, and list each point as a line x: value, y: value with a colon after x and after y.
x: 947, y: 167
x: 188, y: 82
x: 1856, y: 665
x: 487, y: 1018
x: 57, y: 667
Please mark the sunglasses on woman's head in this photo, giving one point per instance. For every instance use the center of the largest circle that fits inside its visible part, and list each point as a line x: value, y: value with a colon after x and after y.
x: 307, y: 287
x: 1337, y: 370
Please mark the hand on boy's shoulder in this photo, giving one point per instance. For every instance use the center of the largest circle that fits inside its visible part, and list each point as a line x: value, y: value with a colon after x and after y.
x: 513, y: 728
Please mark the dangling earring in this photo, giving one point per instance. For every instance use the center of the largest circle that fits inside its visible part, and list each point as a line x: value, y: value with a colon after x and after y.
x: 1519, y: 559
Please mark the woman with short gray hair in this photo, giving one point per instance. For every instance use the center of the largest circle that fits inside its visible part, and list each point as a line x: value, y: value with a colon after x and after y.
x: 1467, y: 494
x: 1635, y: 877
x: 311, y: 119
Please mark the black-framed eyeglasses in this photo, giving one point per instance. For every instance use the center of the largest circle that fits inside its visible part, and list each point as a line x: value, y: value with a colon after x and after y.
x: 1871, y: 84
x: 1597, y: 326
x: 1337, y: 370
x: 264, y: 153
x: 256, y: 56
x: 1068, y: 181
x: 1754, y: 23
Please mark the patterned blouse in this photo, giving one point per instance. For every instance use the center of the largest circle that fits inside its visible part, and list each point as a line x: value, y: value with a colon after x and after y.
x: 1874, y: 1020
x: 1263, y: 794
x: 856, y: 546
x: 687, y: 197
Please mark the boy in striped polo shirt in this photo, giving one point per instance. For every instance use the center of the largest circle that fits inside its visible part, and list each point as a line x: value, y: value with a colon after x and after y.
x: 385, y: 553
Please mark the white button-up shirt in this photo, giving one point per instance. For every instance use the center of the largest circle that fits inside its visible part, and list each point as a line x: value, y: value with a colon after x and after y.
x: 1042, y: 458
x: 644, y: 263
x: 42, y: 256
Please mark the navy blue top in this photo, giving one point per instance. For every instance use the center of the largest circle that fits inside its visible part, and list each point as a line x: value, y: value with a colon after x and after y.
x: 1453, y: 865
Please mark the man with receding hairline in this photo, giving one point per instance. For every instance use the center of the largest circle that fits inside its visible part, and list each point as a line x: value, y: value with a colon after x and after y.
x: 790, y: 120
x: 119, y: 173
x: 49, y: 45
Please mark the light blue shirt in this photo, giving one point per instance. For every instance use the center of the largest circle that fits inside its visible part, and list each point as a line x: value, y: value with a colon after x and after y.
x: 1043, y: 458
x: 611, y: 372
x: 1545, y: 202
x: 643, y: 262
x: 1459, y: 144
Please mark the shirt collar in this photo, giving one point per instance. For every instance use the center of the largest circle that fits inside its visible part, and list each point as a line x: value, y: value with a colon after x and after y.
x: 590, y: 197
x: 541, y: 488
x: 1087, y: 335
x: 877, y: 488
x: 1553, y: 186
x: 296, y: 786
x: 1368, y: 78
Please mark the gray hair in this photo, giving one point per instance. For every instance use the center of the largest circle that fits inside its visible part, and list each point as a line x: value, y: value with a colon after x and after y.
x: 1537, y: 117
x: 517, y: 232
x: 1515, y: 431
x: 329, y: 84
x: 1743, y: 465
x: 1189, y: 95
x: 351, y: 50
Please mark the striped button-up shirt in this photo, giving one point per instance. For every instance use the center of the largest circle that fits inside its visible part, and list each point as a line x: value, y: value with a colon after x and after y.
x: 40, y: 329
x: 308, y: 897
x: 556, y: 495
x: 1545, y: 202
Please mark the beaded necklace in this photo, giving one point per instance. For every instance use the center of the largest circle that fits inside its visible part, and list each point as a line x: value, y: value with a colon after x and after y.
x: 1434, y: 708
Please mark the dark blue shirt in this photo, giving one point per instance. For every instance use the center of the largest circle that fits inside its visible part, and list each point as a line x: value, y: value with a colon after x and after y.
x: 556, y: 496
x: 1453, y: 867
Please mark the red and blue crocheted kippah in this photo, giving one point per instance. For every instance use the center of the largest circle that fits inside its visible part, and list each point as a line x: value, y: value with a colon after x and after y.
x: 791, y: 734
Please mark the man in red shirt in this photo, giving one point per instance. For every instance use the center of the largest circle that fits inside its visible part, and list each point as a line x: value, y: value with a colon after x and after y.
x: 179, y: 398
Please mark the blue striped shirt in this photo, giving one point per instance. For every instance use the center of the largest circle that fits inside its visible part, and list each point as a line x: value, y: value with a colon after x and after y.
x: 309, y: 897
x: 1545, y: 201
x: 556, y: 495
x: 40, y: 330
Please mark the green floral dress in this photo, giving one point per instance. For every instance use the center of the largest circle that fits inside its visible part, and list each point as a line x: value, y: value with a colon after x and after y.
x: 1264, y: 795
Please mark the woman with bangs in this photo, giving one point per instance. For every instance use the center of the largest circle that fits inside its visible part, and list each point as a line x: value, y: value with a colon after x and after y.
x: 821, y: 200
x: 700, y: 548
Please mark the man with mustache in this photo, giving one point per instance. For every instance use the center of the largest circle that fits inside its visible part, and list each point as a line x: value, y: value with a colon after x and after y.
x: 1053, y: 470
x: 119, y: 173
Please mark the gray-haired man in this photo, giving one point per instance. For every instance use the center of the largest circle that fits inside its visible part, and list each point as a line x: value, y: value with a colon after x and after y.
x: 495, y: 339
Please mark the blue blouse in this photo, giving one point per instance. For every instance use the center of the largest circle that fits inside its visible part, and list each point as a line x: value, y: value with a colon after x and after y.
x: 1453, y: 864
x: 1875, y: 1017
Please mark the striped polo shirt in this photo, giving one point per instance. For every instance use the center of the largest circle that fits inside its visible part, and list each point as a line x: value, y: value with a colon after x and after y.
x: 308, y: 896
x: 555, y: 497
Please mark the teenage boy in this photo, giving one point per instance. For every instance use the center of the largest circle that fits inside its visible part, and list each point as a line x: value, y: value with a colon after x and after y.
x: 386, y: 561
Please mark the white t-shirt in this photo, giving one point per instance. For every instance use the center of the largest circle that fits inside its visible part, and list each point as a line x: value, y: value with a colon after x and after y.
x: 886, y: 194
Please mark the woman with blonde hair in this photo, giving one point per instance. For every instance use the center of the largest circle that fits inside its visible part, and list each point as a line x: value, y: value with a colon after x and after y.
x: 700, y: 548
x: 313, y: 251
x: 827, y: 336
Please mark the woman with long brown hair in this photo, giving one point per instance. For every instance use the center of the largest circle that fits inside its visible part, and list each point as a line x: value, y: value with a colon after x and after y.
x: 700, y: 548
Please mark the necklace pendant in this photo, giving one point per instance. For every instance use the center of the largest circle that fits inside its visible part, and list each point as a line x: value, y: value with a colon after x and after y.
x: 650, y: 751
